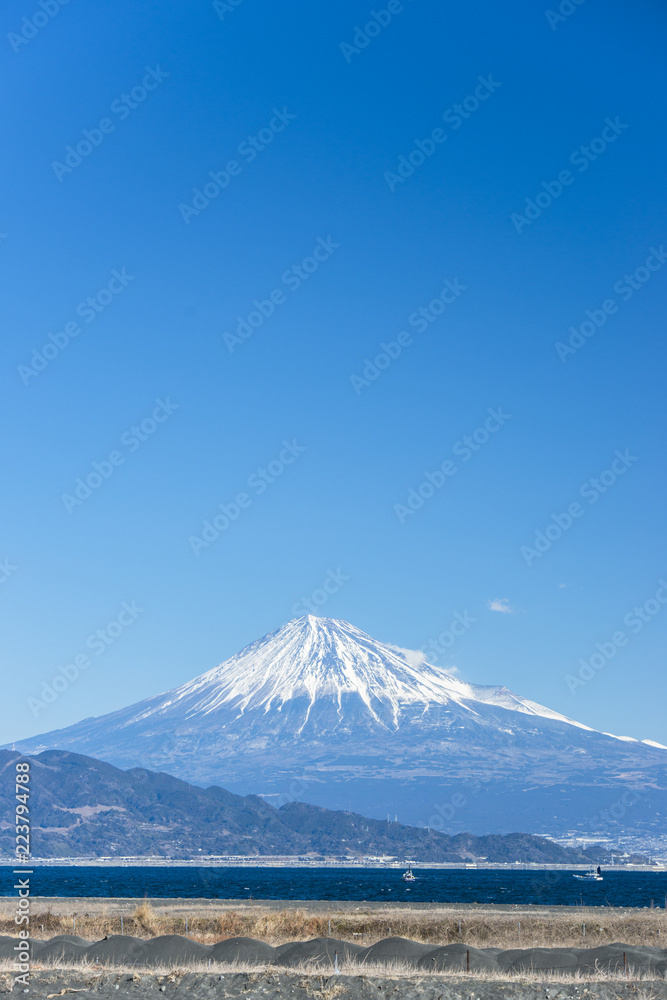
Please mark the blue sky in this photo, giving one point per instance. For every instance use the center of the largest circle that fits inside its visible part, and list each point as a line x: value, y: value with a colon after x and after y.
x: 236, y: 327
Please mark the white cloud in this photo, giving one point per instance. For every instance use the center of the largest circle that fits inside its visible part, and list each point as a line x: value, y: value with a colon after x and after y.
x: 501, y: 604
x: 414, y: 657
x: 417, y: 658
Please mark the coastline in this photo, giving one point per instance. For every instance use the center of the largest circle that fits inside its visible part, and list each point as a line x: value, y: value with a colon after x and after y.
x: 117, y: 905
x: 329, y: 863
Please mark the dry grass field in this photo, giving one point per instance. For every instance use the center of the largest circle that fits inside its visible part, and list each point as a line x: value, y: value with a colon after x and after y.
x: 478, y: 926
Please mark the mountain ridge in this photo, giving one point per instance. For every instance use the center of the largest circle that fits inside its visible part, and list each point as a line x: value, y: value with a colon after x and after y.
x: 85, y: 807
x: 321, y: 705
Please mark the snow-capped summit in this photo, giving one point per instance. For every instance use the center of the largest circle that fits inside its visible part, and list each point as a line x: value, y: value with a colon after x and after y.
x: 320, y: 711
x: 313, y: 658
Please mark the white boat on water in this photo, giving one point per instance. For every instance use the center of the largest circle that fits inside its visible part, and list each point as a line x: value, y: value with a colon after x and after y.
x: 594, y: 875
x: 408, y: 876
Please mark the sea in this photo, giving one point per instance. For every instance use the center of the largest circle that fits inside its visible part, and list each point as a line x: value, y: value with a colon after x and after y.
x: 512, y: 888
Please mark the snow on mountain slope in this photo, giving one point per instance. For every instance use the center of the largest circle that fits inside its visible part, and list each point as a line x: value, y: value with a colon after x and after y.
x: 320, y: 711
x: 314, y: 658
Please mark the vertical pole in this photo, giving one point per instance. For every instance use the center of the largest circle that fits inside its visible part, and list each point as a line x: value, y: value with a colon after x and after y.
x: 519, y: 932
x: 336, y: 969
x: 459, y: 928
x: 121, y: 923
x: 584, y: 926
x: 468, y: 960
x: 329, y: 928
x: 625, y: 964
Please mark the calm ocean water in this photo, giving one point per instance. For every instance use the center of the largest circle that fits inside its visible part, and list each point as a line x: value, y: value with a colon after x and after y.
x: 370, y: 885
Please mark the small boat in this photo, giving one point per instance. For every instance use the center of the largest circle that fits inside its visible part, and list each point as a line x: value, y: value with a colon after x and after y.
x: 594, y: 875
x: 408, y: 876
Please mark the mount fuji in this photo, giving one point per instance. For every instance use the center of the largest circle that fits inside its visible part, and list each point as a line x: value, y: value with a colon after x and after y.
x: 320, y: 712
